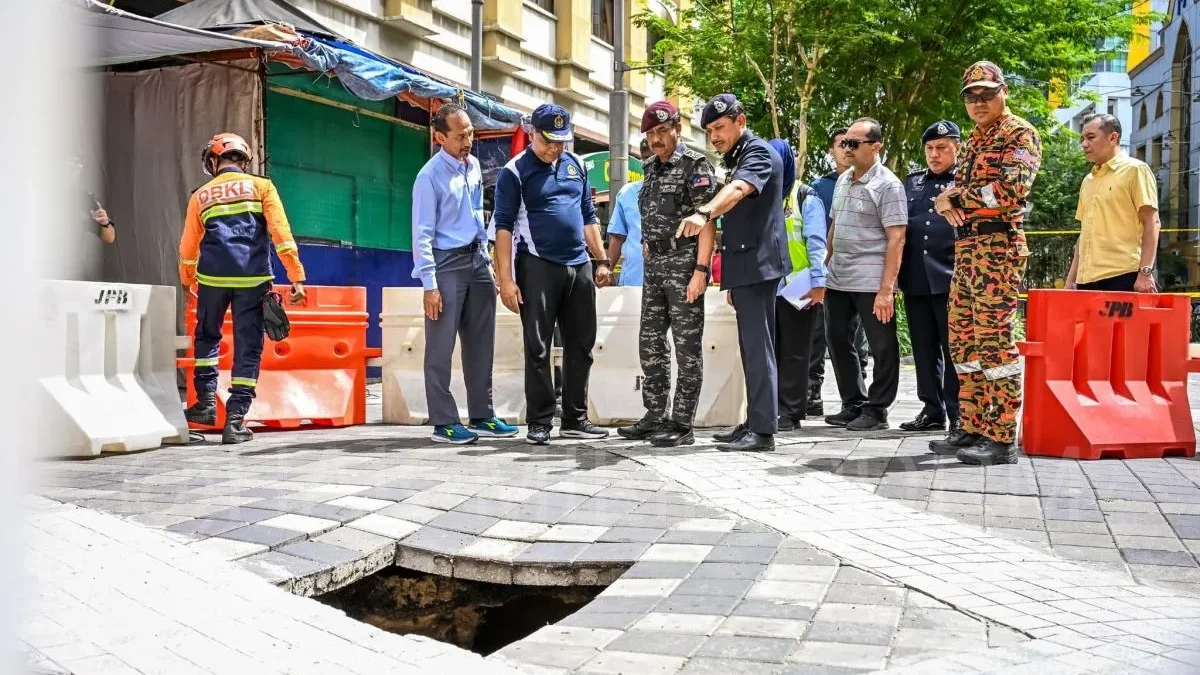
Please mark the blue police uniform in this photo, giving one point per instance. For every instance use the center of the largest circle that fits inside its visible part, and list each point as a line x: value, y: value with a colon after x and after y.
x: 925, y: 272
x: 754, y: 257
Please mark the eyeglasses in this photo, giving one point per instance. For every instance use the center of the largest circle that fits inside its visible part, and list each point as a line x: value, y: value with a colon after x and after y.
x: 851, y: 143
x: 986, y: 95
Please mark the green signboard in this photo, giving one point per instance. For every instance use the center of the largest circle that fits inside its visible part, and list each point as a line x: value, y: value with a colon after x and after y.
x: 597, y: 170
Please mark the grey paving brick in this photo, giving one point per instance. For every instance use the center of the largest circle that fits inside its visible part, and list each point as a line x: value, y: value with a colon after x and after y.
x: 599, y: 518
x: 711, y: 586
x: 1150, y: 543
x: 699, y: 665
x: 1097, y: 527
x: 321, y: 552
x: 389, y: 494
x: 773, y: 609
x: 241, y: 514
x: 263, y: 534
x: 760, y: 540
x: 659, y: 570
x: 463, y: 522
x: 1081, y: 539
x: 1139, y: 556
x: 416, y: 484
x: 277, y: 567
x: 435, y: 540
x: 729, y: 570
x: 621, y: 506
x: 698, y: 604
x: 558, y: 499
x: 613, y: 552
x: 851, y: 575
x: 741, y: 554
x: 204, y: 526
x: 632, y: 534
x: 357, y: 540
x: 742, y: 648
x: 657, y: 642
x: 802, y: 556
x: 558, y: 553
x: 815, y: 669
x: 867, y: 595
x: 691, y: 537
x: 650, y: 521
x: 538, y: 513
x: 609, y: 620
x: 628, y: 604
x: 850, y: 633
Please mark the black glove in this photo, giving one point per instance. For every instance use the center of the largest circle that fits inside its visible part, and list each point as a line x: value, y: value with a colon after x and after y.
x: 275, y: 318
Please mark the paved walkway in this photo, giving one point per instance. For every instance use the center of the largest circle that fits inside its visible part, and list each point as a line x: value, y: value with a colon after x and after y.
x: 837, y: 554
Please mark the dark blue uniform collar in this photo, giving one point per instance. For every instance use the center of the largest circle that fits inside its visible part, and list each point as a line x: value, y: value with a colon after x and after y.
x: 229, y: 169
x: 730, y: 158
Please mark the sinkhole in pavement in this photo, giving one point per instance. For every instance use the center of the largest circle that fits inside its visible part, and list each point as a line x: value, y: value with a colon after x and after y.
x: 474, y: 615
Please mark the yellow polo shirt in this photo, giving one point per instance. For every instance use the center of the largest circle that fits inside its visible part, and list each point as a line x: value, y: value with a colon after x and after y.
x: 1110, y: 239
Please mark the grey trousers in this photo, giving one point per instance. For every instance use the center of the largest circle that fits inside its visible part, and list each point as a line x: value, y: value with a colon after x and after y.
x: 469, y: 313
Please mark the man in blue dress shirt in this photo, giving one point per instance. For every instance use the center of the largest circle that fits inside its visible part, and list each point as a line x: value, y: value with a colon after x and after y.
x: 625, y: 230
x: 450, y: 258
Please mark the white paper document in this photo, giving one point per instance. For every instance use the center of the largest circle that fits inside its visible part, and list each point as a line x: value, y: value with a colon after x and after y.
x: 797, y: 286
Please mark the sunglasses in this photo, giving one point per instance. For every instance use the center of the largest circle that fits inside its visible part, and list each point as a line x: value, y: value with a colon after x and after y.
x: 851, y: 143
x: 986, y: 95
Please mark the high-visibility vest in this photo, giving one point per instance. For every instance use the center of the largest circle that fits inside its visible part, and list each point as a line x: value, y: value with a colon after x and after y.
x: 793, y: 219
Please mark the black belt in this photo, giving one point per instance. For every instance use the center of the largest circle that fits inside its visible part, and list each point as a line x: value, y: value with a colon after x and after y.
x: 661, y: 246
x: 469, y: 248
x: 972, y: 229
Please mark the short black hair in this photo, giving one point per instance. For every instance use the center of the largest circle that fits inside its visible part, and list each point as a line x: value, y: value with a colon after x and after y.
x: 1109, y: 123
x: 644, y: 148
x: 441, y: 119
x: 840, y: 131
x: 874, y: 130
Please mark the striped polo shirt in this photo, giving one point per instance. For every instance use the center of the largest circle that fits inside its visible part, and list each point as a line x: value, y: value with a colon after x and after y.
x: 862, y: 210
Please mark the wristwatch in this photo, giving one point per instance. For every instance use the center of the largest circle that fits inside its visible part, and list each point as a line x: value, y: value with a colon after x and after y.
x: 606, y: 262
x: 703, y: 268
x: 706, y: 212
x: 1148, y: 270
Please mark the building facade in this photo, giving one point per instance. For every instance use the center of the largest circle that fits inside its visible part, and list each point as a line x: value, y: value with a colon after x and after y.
x: 1164, y: 134
x: 1109, y: 83
x: 534, y: 51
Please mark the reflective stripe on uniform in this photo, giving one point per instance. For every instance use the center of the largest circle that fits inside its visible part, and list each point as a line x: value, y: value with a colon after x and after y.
x: 231, y: 282
x: 1001, y: 372
x: 283, y: 246
x: 231, y: 209
x: 243, y: 382
x: 201, y: 363
x: 968, y: 367
x: 189, y: 262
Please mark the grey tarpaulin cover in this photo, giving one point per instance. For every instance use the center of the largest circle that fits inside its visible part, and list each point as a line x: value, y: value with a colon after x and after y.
x: 116, y: 37
x: 237, y: 14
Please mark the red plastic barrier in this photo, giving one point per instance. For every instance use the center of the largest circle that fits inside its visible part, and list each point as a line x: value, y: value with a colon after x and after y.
x: 1106, y: 375
x: 316, y: 376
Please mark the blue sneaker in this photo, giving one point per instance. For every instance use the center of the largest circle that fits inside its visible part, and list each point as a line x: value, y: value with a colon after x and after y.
x: 455, y: 434
x: 494, y: 427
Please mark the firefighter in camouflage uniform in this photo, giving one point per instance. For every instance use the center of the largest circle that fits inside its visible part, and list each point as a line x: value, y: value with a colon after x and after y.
x: 677, y: 180
x: 987, y: 206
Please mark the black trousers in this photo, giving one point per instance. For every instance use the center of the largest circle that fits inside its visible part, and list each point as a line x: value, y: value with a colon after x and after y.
x: 1121, y: 282
x: 937, y: 383
x: 755, y: 308
x: 793, y: 344
x: 840, y: 308
x: 816, y: 358
x: 565, y: 295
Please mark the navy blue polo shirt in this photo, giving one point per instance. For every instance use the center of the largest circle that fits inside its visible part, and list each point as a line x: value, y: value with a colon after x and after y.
x: 545, y: 207
x: 753, y: 234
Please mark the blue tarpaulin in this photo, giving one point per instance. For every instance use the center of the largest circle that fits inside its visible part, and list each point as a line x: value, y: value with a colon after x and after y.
x: 375, y: 78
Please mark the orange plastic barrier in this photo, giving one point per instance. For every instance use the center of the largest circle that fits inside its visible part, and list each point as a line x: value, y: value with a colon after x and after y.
x: 317, y: 375
x: 1106, y: 375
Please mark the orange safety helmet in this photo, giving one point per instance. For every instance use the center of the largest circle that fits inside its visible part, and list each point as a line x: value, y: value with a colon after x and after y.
x: 224, y: 143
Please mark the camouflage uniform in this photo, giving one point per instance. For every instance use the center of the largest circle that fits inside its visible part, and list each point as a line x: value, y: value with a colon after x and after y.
x: 671, y: 191
x: 993, y: 182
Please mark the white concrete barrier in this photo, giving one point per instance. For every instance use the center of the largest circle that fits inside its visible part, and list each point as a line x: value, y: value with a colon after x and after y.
x: 615, y: 388
x: 403, y: 324
x: 112, y: 386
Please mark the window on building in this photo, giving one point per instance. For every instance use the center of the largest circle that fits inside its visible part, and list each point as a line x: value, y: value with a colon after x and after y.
x: 1155, y: 153
x: 547, y: 5
x: 602, y: 20
x: 652, y: 39
x: 1158, y: 107
x: 1142, y: 117
x: 1140, y: 153
x: 1116, y: 54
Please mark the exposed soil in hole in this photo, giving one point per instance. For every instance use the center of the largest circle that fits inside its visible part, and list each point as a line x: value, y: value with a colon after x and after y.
x: 474, y: 615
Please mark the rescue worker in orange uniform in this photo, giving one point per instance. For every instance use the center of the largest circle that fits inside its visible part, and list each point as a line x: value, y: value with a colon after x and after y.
x: 987, y: 208
x: 230, y: 226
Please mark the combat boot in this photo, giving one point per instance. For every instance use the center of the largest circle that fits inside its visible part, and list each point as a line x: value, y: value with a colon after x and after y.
x: 235, y: 432
x: 204, y: 410
x: 954, y: 441
x: 641, y: 429
x: 989, y: 452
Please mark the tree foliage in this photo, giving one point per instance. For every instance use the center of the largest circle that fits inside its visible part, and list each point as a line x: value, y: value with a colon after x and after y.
x: 805, y: 66
x: 1055, y: 197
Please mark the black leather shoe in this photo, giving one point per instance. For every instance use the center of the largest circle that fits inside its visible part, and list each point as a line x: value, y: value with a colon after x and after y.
x: 539, y: 434
x: 203, y: 411
x: 955, y: 424
x: 954, y: 441
x: 868, y: 421
x: 732, y: 434
x: 673, y: 434
x: 750, y: 442
x: 786, y: 423
x: 641, y: 429
x: 989, y: 452
x: 846, y: 416
x: 815, y: 408
x: 924, y: 422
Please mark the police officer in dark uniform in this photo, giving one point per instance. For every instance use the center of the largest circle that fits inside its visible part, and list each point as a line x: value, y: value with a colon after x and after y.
x: 677, y: 180
x: 754, y: 257
x: 925, y: 272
